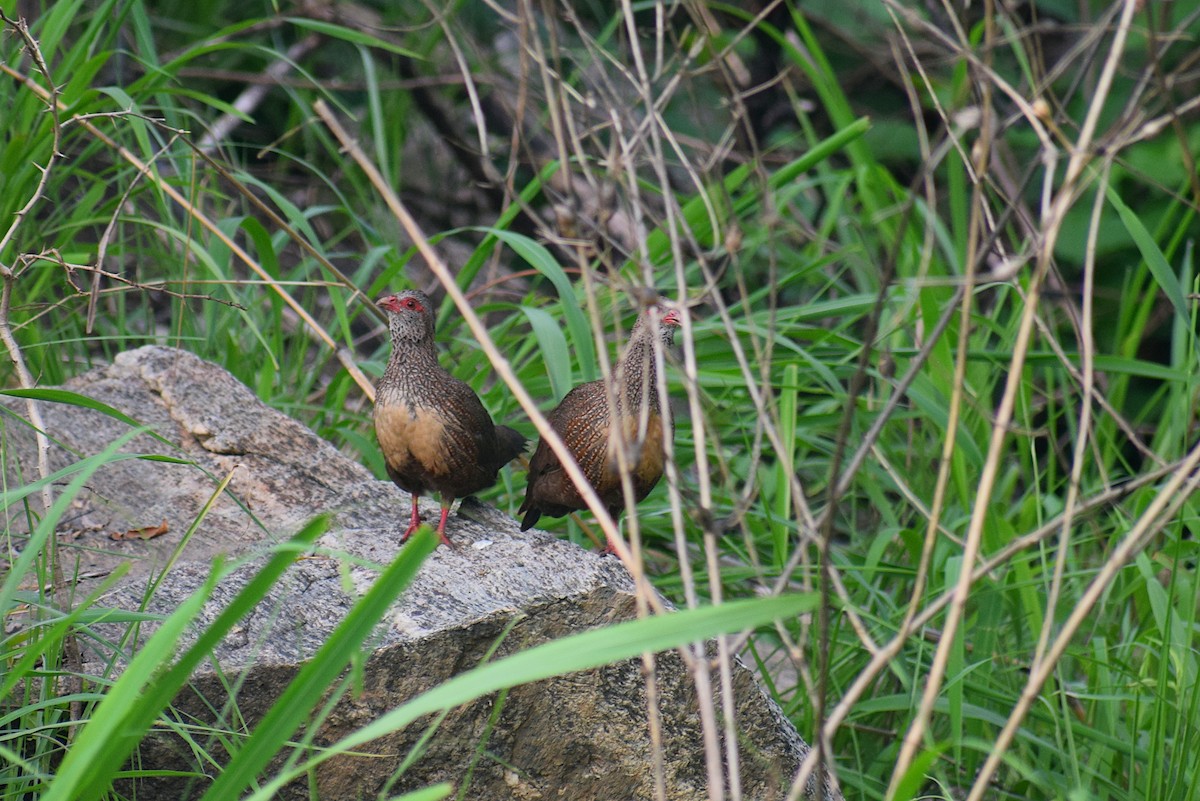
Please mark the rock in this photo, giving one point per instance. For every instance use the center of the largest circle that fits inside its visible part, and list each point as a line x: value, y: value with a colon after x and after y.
x: 583, y: 736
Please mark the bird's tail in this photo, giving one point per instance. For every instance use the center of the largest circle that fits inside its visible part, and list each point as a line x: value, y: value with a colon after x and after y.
x: 530, y: 519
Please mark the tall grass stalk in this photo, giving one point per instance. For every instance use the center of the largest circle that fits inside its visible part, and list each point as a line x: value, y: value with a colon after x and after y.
x: 937, y: 266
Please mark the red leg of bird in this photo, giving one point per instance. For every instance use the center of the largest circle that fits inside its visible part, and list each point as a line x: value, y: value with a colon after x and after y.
x: 446, y: 504
x: 609, y: 549
x: 415, y: 523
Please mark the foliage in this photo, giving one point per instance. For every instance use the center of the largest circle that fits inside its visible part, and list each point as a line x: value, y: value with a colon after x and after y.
x: 939, y: 363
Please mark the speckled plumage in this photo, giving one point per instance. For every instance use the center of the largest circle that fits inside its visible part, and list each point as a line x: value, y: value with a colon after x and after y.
x: 433, y: 430
x: 584, y: 421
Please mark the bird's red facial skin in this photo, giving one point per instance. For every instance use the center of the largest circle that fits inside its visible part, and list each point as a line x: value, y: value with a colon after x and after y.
x: 671, y: 317
x: 393, y: 303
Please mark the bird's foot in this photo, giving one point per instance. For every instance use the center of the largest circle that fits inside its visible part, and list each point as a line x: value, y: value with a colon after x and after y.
x: 414, y: 520
x: 441, y: 534
x: 442, y: 525
x: 409, y: 531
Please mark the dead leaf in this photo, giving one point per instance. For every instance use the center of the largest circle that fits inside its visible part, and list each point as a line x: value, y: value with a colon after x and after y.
x: 144, y: 533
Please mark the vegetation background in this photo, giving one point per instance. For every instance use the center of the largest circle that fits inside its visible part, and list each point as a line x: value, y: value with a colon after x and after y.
x: 939, y: 364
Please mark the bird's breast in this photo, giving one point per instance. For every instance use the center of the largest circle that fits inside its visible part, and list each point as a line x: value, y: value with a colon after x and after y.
x: 644, y: 437
x: 412, y: 434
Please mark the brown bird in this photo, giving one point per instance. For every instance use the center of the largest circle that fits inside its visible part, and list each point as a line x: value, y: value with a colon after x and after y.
x: 434, y: 432
x: 584, y: 422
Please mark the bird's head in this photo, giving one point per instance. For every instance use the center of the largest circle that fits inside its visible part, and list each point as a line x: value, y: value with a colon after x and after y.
x: 668, y: 321
x: 410, y: 315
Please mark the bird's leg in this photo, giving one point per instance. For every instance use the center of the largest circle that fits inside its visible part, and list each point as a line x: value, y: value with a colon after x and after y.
x: 609, y: 548
x: 446, y: 504
x: 415, y: 522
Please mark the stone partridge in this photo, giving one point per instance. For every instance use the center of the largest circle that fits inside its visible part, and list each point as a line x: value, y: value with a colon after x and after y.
x: 585, y: 422
x: 432, y: 428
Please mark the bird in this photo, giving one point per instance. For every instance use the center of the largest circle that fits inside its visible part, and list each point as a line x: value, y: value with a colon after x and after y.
x: 584, y: 422
x: 432, y: 428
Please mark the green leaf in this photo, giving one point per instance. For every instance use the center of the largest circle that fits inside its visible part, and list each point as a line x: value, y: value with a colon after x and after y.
x: 434, y: 793
x: 46, y: 527
x: 55, y: 632
x: 141, y: 693
x: 310, y: 684
x: 83, y: 401
x: 553, y: 346
x: 88, y: 766
x: 917, y: 775
x: 1163, y: 273
x: 352, y: 36
x: 15, y: 495
x: 782, y: 507
x: 52, y: 26
x: 543, y: 261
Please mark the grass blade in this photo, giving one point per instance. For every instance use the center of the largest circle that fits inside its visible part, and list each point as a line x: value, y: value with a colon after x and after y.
x: 22, y: 566
x: 69, y: 398
x: 579, y: 652
x: 553, y: 346
x: 310, y: 684
x: 1163, y: 273
x: 138, y: 697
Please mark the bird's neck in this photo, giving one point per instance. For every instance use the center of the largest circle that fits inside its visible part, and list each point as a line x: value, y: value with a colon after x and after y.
x: 410, y: 364
x: 637, y: 377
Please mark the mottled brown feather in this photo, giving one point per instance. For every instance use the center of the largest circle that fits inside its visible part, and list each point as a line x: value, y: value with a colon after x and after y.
x: 583, y: 421
x: 434, y: 432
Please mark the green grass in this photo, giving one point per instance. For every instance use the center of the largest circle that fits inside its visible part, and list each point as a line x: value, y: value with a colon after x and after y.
x: 821, y: 251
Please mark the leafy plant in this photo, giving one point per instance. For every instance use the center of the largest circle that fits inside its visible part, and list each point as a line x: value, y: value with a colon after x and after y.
x: 939, y: 361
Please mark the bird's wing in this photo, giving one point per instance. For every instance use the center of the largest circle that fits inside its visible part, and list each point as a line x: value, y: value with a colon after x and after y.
x: 468, y: 423
x: 582, y: 424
